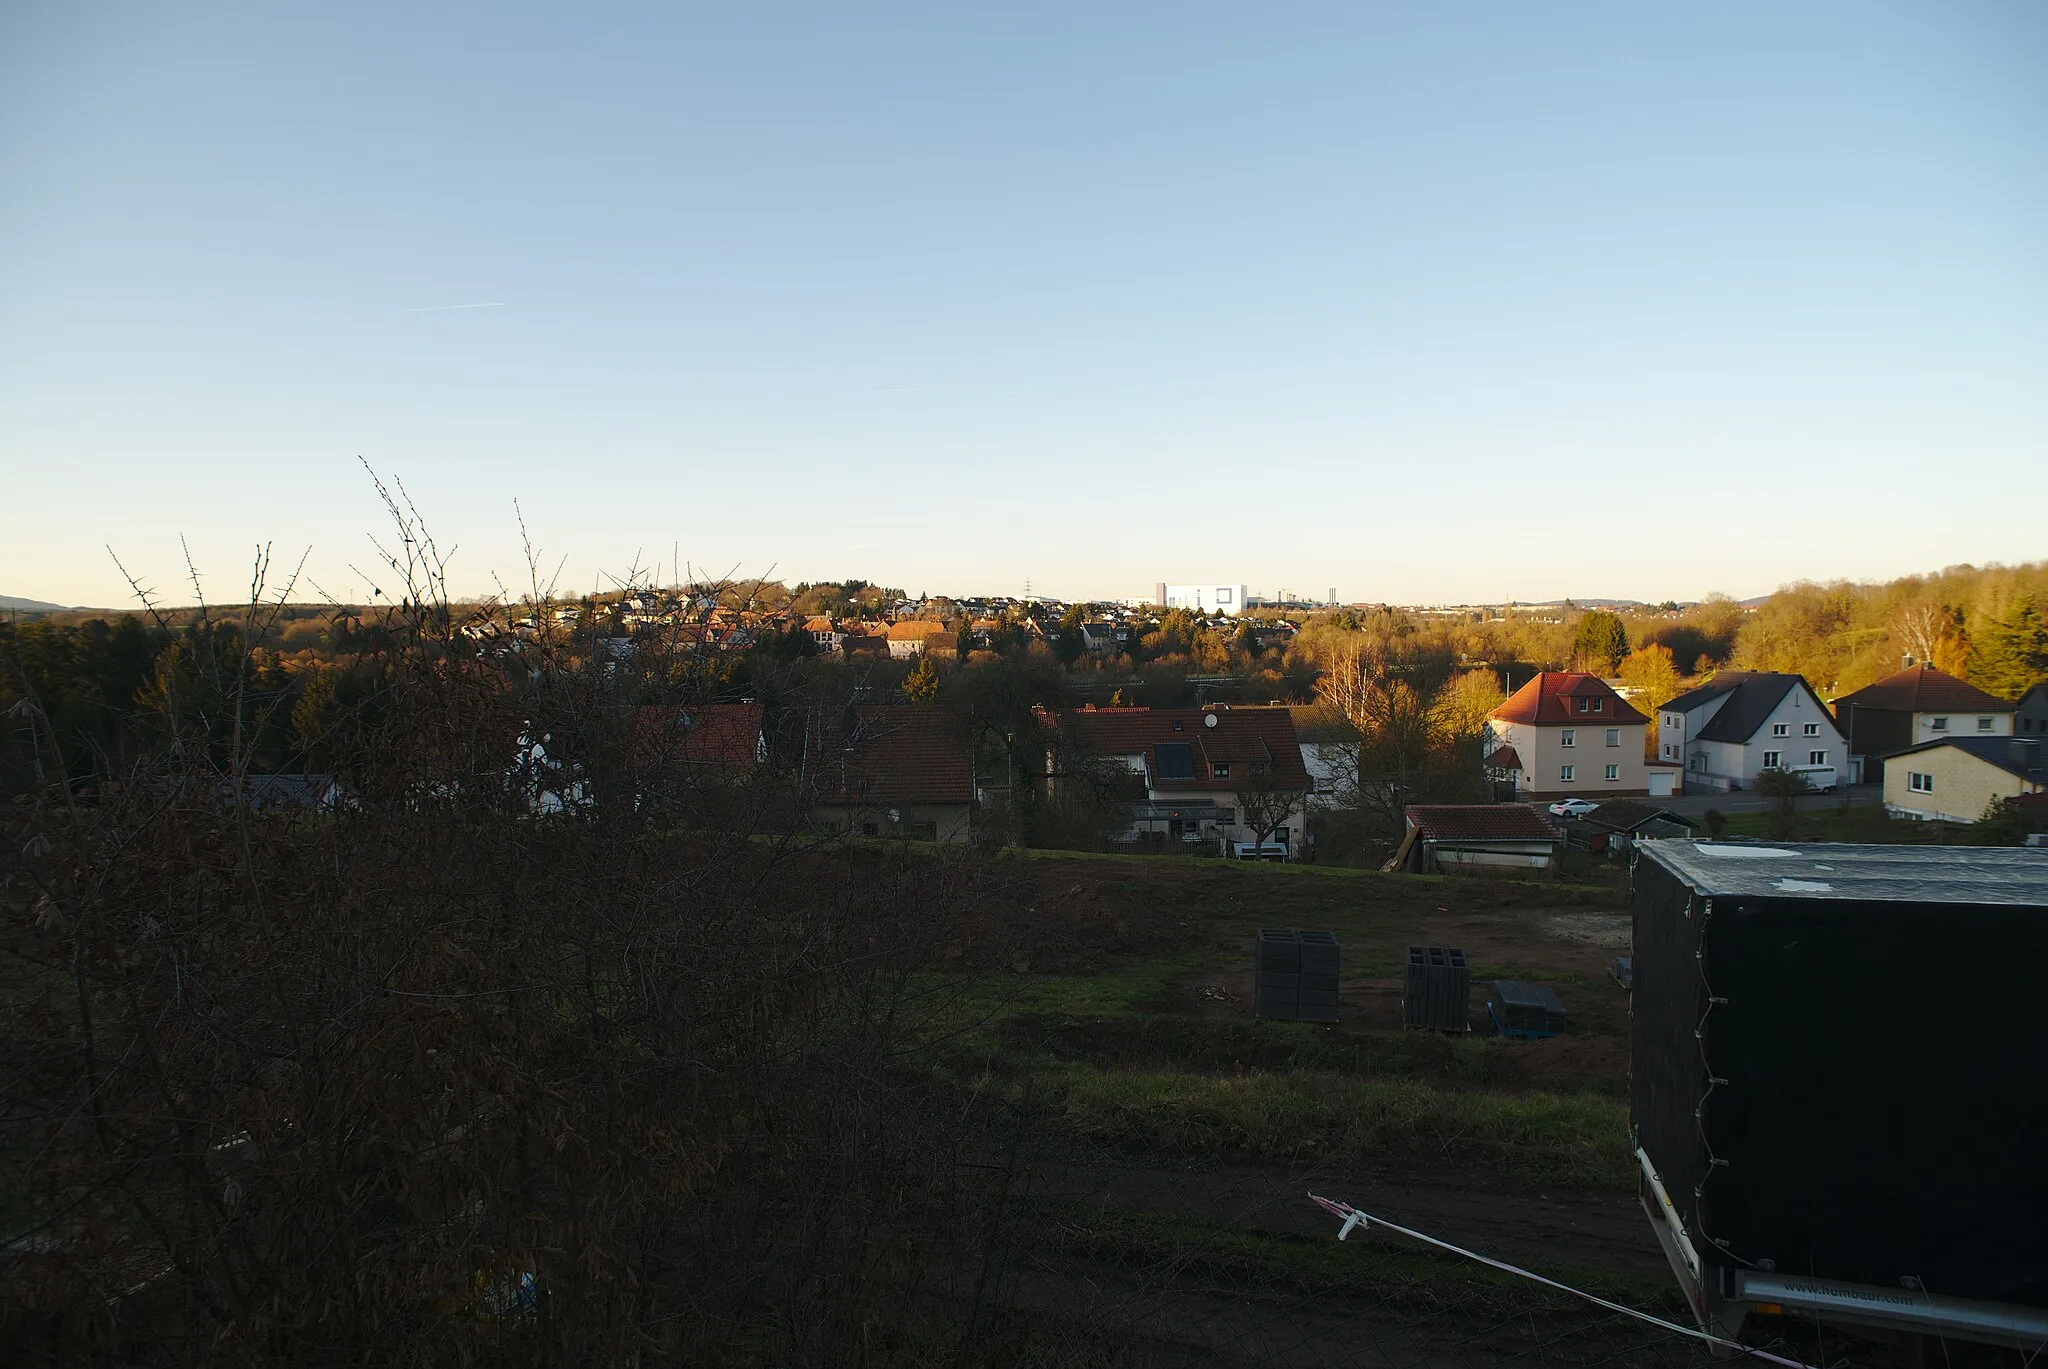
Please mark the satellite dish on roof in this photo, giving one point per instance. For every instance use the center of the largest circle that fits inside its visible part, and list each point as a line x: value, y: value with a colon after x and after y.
x: 1209, y: 720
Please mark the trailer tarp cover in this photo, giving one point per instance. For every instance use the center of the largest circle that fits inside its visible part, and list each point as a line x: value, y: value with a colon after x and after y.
x: 1840, y: 1064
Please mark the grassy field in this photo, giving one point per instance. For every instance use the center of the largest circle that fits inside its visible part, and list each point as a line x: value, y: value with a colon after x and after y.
x: 1564, y: 1140
x: 1863, y: 823
x: 1156, y: 1048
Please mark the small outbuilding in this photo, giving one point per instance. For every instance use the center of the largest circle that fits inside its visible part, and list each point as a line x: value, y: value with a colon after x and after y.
x: 1468, y: 836
x: 1628, y: 820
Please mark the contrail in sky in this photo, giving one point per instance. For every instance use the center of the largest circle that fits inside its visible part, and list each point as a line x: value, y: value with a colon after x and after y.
x: 443, y: 308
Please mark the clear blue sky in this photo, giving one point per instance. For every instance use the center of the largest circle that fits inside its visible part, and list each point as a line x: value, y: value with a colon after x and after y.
x: 1425, y: 302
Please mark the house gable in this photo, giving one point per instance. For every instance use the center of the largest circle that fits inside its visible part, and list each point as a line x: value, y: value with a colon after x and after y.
x: 1558, y: 698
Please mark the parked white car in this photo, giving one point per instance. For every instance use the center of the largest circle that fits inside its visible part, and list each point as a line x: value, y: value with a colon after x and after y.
x: 1572, y: 808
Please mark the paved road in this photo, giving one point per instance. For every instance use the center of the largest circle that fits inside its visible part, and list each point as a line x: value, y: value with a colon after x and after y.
x: 1693, y: 805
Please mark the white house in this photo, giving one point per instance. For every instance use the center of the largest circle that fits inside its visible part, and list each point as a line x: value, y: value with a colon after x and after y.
x: 909, y: 637
x: 1566, y: 735
x: 1742, y: 723
x: 1332, y: 772
x: 824, y: 631
x: 1226, y: 599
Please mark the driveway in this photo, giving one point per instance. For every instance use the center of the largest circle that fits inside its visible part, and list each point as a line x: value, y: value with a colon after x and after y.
x: 1748, y: 801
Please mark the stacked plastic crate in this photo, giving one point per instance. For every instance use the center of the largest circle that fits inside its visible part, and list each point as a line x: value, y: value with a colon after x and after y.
x: 1519, y: 1008
x: 1436, y: 989
x: 1296, y: 976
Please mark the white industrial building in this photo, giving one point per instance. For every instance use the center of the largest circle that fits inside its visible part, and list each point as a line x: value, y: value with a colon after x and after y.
x: 1228, y: 599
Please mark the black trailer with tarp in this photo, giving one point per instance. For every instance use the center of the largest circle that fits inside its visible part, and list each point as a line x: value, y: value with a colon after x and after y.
x: 1840, y: 1082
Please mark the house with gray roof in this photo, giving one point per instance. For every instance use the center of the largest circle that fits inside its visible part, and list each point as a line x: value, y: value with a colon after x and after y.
x: 2030, y: 714
x: 1957, y: 779
x: 1741, y: 723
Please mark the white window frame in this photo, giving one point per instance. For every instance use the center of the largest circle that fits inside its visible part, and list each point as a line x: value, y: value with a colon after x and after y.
x: 1919, y: 782
x: 1812, y: 729
x: 1781, y: 729
x: 1599, y: 705
x: 1613, y: 772
x: 1569, y: 737
x: 1774, y: 760
x: 1938, y: 725
x: 1567, y: 774
x: 1983, y: 724
x: 1816, y: 758
x: 1614, y: 736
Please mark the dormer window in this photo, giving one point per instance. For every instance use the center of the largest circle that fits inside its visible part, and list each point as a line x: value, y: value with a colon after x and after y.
x: 1221, y: 772
x: 1585, y: 705
x: 1599, y: 705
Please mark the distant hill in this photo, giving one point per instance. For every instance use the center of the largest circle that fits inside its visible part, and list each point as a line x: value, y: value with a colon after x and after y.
x: 8, y: 601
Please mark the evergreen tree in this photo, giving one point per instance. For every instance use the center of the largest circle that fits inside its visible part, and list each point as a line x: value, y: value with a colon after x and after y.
x: 1067, y: 642
x: 2010, y: 653
x: 1601, y: 642
x: 921, y: 685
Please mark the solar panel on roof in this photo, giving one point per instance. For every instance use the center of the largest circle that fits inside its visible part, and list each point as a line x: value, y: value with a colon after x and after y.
x: 1173, y: 761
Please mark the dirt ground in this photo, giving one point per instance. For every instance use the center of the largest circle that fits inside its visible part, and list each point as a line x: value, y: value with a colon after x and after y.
x: 1041, y: 919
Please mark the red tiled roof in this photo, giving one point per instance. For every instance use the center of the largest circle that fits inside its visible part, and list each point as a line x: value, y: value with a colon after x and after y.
x: 1552, y: 699
x: 724, y: 735
x: 1503, y: 758
x: 1923, y: 689
x: 916, y: 630
x: 1479, y: 822
x: 1241, y: 737
x: 910, y: 753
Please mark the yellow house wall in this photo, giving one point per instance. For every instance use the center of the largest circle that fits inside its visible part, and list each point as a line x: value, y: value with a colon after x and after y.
x: 1963, y: 785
